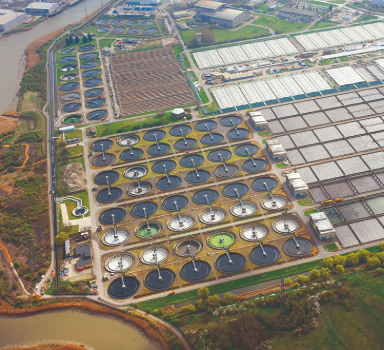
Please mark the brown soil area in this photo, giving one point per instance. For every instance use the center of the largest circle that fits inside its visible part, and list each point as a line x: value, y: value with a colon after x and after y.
x: 49, y: 347
x: 11, y: 114
x: 7, y: 124
x: 73, y: 176
x: 254, y: 293
x: 7, y: 190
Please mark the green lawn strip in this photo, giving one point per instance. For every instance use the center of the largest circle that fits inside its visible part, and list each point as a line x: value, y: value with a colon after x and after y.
x: 322, y: 25
x: 106, y: 43
x: 366, y: 18
x: 264, y: 133
x: 93, y: 30
x: 330, y: 247
x: 73, y: 134
x: 279, y: 26
x: 76, y: 151
x: 203, y: 95
x: 305, y: 201
x: 310, y: 211
x: 39, y: 122
x: 72, y: 205
x: 177, y: 50
x: 339, y: 2
x: 187, y: 64
x: 212, y: 107
x: 279, y: 165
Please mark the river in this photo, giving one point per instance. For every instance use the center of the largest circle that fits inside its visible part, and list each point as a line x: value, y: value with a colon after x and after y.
x: 95, y: 332
x: 12, y: 47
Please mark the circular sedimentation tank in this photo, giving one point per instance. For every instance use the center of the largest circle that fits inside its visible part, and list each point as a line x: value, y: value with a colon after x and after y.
x: 246, y: 150
x: 95, y: 103
x: 197, y: 176
x: 254, y: 233
x: 264, y: 184
x: 118, y: 30
x: 206, y: 196
x: 221, y: 240
x: 264, y: 255
x: 68, y: 77
x: 90, y: 73
x: 112, y: 216
x: 87, y: 48
x: 146, y: 23
x: 68, y: 68
x: 93, y: 92
x: 274, y: 202
x: 175, y: 203
x: 149, y: 31
x: 185, y: 144
x: 188, y: 247
x: 191, y: 161
x: 129, y: 155
x: 238, y: 134
x: 104, y: 159
x: 69, y: 86
x: 135, y: 172
x: 129, y: 140
x: 139, y: 188
x: 80, y: 211
x: 97, y: 115
x: 235, y: 190
x: 180, y: 130
x: 109, y: 195
x: 114, y: 237
x: 154, y: 255
x: 134, y: 31
x: 106, y: 177
x: 158, y: 149
x: 230, y: 262
x: 92, y: 82
x: 254, y: 165
x: 167, y: 183
x: 148, y: 229
x: 211, y: 216
x: 195, y: 270
x: 164, y: 166
x: 116, y: 22
x: 144, y: 209
x: 160, y: 279
x: 212, y: 139
x: 206, y: 125
x: 243, y: 209
x: 131, y: 23
x: 103, y: 29
x: 181, y: 222
x: 101, y: 145
x: 154, y: 135
x: 88, y: 56
x: 71, y: 96
x: 67, y: 51
x: 231, y: 120
x: 102, y: 22
x: 117, y: 290
x: 67, y: 59
x: 71, y: 107
x: 219, y: 155
x: 119, y: 262
x: 89, y: 64
x: 73, y: 119
x: 286, y: 224
x: 227, y: 170
x: 298, y: 247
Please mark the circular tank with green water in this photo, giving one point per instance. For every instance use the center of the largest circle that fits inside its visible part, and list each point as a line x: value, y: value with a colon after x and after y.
x: 221, y: 240
x: 72, y: 119
x: 148, y: 230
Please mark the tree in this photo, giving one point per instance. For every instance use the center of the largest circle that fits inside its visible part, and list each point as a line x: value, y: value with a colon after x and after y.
x: 339, y: 260
x: 61, y: 238
x: 85, y: 39
x: 229, y: 298
x: 352, y: 259
x: 77, y: 39
x: 70, y: 40
x: 194, y: 43
x: 203, y: 293
x: 315, y: 274
x: 380, y: 256
x: 325, y: 273
x: 302, y: 279
x: 188, y: 309
x: 90, y: 37
x: 328, y: 262
x: 330, y: 8
x: 363, y: 255
x: 208, y: 37
x: 67, y: 41
x: 169, y: 315
x: 340, y: 269
x: 288, y: 281
x: 382, y: 246
x: 373, y: 262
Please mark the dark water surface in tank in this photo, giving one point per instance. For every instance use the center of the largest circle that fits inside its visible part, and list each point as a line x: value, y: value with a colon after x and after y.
x: 106, y: 217
x: 254, y: 165
x: 258, y: 258
x: 197, y: 178
x: 191, y: 160
x: 206, y: 125
x: 196, y: 271
x: 259, y: 184
x: 158, y: 167
x: 152, y: 280
x: 117, y: 291
x: 101, y: 178
x: 138, y: 209
x: 224, y: 265
x: 200, y: 197
x: 169, y: 203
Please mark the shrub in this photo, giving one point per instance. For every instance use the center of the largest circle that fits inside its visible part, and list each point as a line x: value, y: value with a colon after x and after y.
x: 16, y: 265
x: 363, y: 255
x: 203, y: 293
x: 315, y: 274
x: 229, y: 298
x: 340, y: 269
x: 325, y: 273
x: 373, y: 262
x: 328, y: 262
x: 379, y: 271
x: 288, y: 281
x: 295, y: 286
x: 339, y: 260
x: 382, y: 246
x: 352, y: 259
x: 302, y: 279
x: 169, y: 315
x: 188, y: 309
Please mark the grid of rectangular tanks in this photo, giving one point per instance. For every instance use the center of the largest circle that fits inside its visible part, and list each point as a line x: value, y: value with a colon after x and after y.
x: 269, y: 89
x: 341, y: 37
x: 243, y: 53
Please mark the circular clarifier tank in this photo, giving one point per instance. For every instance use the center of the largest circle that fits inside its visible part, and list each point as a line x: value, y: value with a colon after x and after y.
x: 134, y: 31
x: 89, y: 64
x: 70, y: 76
x: 158, y: 149
x: 109, y: 195
x: 103, y: 29
x: 164, y: 166
x: 95, y: 103
x: 167, y: 183
x: 188, y: 247
x: 148, y: 229
x: 139, y: 188
x: 118, y: 290
x: 254, y: 232
x: 116, y: 22
x: 119, y: 262
x: 90, y: 73
x: 286, y: 224
x: 206, y: 125
x: 191, y: 161
x: 71, y: 107
x: 87, y: 48
x: 118, y: 30
x: 154, y: 135
x: 144, y: 209
x: 93, y: 93
x: 67, y: 51
x: 235, y: 190
x: 243, y: 209
x: 298, y: 247
x: 231, y: 120
x: 264, y: 255
x: 115, y: 236
x: 198, y: 176
x: 73, y: 119
x: 238, y: 134
x: 195, y: 270
x: 146, y: 23
x: 264, y: 184
x: 92, y: 82
x: 80, y: 211
x: 149, y: 31
x: 106, y: 177
x: 67, y: 59
x: 160, y: 279
x: 88, y: 56
x: 101, y: 145
x: 131, y: 23
x: 112, y: 216
x: 135, y: 172
x: 68, y: 68
x: 221, y: 240
x: 97, y: 115
x: 230, y: 262
x: 274, y: 202
x: 131, y: 154
x: 180, y: 222
x: 104, y: 159
x: 129, y: 140
x: 212, y: 139
x: 185, y: 144
x: 212, y: 216
x: 254, y: 165
x: 69, y: 86
x: 71, y: 96
x: 175, y: 203
x: 246, y: 150
x: 207, y: 196
x: 180, y: 130
x: 226, y: 170
x: 154, y: 255
x: 102, y: 22
x: 219, y: 155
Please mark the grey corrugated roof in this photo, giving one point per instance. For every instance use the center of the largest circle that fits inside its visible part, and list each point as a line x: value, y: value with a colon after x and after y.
x: 227, y: 14
x: 209, y: 4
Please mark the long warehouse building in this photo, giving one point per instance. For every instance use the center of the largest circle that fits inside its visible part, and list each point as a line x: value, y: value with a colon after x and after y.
x: 8, y: 18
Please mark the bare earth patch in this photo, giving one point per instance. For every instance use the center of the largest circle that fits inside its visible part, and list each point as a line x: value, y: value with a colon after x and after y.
x: 7, y: 124
x: 73, y: 176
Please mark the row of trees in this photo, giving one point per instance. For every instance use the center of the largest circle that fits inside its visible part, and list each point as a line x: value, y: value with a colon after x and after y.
x: 69, y: 39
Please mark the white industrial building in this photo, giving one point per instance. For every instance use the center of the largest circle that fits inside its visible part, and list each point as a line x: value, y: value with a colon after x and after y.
x: 297, y: 184
x: 258, y: 120
x: 322, y: 225
x: 8, y: 18
x: 41, y: 8
x: 275, y: 149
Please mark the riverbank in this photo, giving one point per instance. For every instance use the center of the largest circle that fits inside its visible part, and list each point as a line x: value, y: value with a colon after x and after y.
x: 50, y: 347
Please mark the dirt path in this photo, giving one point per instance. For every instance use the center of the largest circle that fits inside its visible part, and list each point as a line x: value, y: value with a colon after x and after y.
x: 26, y: 156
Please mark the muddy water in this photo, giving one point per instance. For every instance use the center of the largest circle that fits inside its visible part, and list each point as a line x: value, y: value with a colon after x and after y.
x: 12, y: 48
x: 70, y: 327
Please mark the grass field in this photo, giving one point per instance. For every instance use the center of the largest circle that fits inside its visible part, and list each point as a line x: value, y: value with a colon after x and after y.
x: 72, y: 205
x: 366, y: 18
x: 331, y: 247
x: 76, y: 151
x: 322, y: 25
x: 279, y: 26
x: 310, y: 211
x: 73, y: 134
